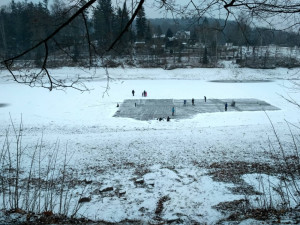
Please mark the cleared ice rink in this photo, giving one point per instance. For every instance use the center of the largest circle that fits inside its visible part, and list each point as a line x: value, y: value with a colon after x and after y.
x: 148, y: 109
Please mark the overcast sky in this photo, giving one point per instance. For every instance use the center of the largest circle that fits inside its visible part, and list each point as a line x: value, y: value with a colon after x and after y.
x: 150, y: 11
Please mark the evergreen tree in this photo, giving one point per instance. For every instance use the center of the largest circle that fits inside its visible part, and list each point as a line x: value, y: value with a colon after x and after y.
x: 125, y: 16
x: 59, y: 13
x: 122, y: 18
x: 39, y: 20
x: 119, y: 19
x: 12, y: 29
x: 45, y: 2
x: 3, y: 43
x: 169, y: 33
x: 141, y: 24
x: 76, y: 36
x: 103, y: 19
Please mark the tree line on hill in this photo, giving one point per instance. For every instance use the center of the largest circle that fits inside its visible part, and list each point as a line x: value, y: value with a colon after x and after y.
x: 23, y: 24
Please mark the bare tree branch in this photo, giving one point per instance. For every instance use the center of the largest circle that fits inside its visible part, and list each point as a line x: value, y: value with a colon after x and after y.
x: 127, y: 25
x: 52, y: 82
x: 78, y: 12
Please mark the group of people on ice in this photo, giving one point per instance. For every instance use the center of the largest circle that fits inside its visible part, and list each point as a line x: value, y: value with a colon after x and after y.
x: 162, y: 118
x: 144, y: 93
x: 193, y: 101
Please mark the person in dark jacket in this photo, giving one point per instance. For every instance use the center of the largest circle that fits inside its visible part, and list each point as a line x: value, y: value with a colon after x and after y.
x: 232, y: 103
x: 132, y: 92
x: 226, y: 106
x: 193, y: 101
x: 173, y: 111
x: 204, y: 98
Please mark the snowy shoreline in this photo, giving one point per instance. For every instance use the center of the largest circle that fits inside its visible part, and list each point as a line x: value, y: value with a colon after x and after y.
x: 229, y: 72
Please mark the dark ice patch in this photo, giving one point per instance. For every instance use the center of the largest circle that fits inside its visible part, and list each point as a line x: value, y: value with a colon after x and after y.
x: 241, y: 81
x: 3, y: 105
x: 149, y: 109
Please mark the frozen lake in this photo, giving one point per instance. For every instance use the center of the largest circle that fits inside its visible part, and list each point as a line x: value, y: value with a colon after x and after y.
x: 173, y: 158
x: 41, y: 107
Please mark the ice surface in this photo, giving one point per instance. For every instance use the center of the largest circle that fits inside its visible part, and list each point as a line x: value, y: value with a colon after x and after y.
x: 148, y: 109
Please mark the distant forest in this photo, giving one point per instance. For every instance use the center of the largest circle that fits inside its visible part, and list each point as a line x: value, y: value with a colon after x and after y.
x: 23, y: 24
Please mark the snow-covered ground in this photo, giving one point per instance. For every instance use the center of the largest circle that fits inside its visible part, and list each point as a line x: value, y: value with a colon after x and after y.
x: 173, y: 157
x: 229, y: 72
